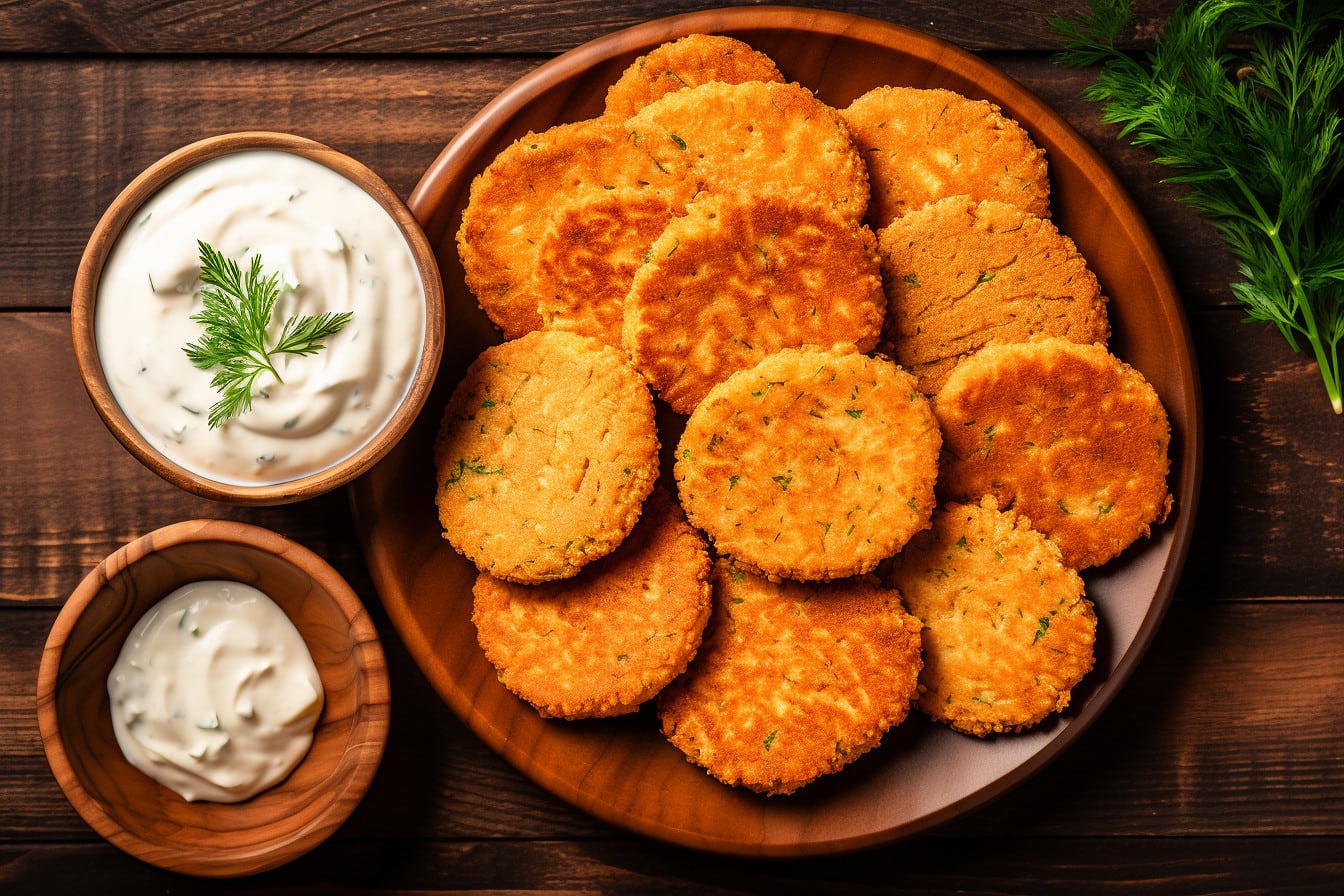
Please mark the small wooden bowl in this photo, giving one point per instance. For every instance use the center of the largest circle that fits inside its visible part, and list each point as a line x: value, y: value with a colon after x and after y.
x: 124, y: 209
x: 145, y: 818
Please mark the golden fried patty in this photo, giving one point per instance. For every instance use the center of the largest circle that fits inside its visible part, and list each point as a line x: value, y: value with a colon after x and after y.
x: 923, y: 145
x: 514, y: 200
x: 812, y: 464
x: 613, y: 636
x: 757, y: 138
x: 588, y: 257
x: 687, y: 62
x: 739, y: 277
x: 546, y: 452
x: 1007, y: 630
x: 960, y: 274
x: 793, y: 681
x: 1067, y: 434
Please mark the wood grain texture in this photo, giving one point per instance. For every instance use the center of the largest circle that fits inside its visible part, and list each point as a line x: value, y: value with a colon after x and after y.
x: 393, y: 115
x: 1168, y: 758
x: 1263, y: 530
x: 71, y: 494
x: 150, y: 821
x: 461, y: 26
x: 1216, y: 768
x: 1288, y: 866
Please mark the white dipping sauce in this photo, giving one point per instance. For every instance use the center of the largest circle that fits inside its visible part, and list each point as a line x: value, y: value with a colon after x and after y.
x: 215, y: 694
x: 335, y: 249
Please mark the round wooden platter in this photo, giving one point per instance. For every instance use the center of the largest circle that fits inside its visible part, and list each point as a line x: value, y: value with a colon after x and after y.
x: 622, y: 770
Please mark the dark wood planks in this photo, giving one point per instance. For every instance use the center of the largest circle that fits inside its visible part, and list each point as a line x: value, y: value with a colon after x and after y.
x: 393, y: 114
x: 461, y: 26
x: 71, y: 494
x: 1288, y: 866
x: 436, y: 779
x: 88, y: 127
x: 1168, y: 758
x: 1273, y: 477
x: 1215, y: 770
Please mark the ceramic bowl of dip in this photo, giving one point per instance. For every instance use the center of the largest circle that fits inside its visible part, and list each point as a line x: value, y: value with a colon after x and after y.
x: 333, y: 237
x: 149, y: 820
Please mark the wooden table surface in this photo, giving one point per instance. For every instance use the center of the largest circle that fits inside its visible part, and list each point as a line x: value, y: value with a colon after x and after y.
x: 1219, y: 768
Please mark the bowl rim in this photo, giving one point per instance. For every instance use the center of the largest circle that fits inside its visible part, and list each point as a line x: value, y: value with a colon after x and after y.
x: 363, y: 631
x: 83, y: 312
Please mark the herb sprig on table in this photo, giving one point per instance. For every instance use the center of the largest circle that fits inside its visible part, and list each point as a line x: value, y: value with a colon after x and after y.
x: 1243, y: 97
x: 236, y: 314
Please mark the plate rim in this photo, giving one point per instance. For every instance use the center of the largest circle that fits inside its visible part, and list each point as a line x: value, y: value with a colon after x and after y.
x: 483, y: 126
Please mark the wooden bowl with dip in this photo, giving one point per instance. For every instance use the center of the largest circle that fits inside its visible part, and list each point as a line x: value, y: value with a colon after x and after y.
x: 153, y: 822
x: 335, y: 238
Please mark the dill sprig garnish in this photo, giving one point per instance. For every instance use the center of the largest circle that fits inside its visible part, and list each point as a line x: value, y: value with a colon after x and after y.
x: 1243, y: 98
x: 236, y: 314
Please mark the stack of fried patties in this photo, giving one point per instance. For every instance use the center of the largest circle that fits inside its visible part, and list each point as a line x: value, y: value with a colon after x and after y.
x: 829, y: 370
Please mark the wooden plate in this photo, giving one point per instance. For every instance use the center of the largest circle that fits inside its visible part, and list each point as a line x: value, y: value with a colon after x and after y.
x: 622, y: 770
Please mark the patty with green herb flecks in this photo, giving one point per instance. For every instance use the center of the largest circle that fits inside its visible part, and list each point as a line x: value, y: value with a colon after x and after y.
x: 1008, y: 632
x: 813, y: 464
x: 514, y: 200
x: 794, y: 680
x: 546, y: 452
x: 687, y: 62
x: 1067, y: 434
x: 922, y: 145
x: 739, y: 277
x: 758, y: 138
x: 960, y: 274
x: 612, y: 637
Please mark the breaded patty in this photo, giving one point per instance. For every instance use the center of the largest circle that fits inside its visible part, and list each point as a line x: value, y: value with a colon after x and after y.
x: 1066, y: 434
x: 1007, y: 630
x: 687, y: 62
x: 587, y: 260
x: 793, y: 681
x: 923, y: 145
x: 612, y: 637
x: 960, y: 274
x: 739, y: 277
x: 546, y: 452
x: 757, y: 138
x: 812, y: 464
x: 513, y: 201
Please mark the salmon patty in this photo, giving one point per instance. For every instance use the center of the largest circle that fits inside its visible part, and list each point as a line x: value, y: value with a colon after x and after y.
x: 811, y: 465
x: 1008, y: 632
x: 1066, y: 434
x: 546, y: 452
x: 612, y: 637
x: 737, y: 278
x: 793, y: 681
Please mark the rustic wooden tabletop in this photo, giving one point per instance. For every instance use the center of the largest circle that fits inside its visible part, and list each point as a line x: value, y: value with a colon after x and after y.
x: 1217, y: 769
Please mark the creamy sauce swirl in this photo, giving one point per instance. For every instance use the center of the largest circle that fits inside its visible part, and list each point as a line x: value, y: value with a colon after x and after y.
x: 214, y: 693
x: 335, y: 248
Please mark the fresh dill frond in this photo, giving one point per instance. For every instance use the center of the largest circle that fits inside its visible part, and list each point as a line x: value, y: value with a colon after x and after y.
x: 1243, y: 99
x: 236, y: 314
